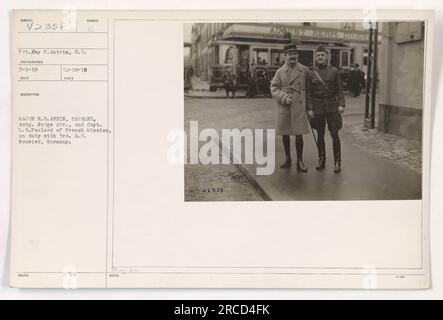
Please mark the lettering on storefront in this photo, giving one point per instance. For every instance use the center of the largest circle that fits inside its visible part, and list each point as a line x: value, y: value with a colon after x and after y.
x: 318, y: 33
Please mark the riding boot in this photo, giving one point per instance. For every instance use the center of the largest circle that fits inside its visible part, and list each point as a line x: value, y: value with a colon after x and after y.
x: 301, y: 166
x: 286, y: 164
x: 337, y: 166
x: 287, y: 146
x: 299, y: 147
x: 321, y: 156
x: 321, y: 150
x: 337, y: 154
x: 321, y: 163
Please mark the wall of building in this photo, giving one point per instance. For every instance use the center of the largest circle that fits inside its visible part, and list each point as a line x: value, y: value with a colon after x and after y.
x: 401, y: 78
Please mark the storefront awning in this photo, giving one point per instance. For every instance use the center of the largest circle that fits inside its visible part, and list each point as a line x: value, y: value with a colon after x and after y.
x: 278, y: 33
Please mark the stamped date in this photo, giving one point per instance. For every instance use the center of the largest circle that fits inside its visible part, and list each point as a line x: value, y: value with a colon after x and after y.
x: 211, y: 190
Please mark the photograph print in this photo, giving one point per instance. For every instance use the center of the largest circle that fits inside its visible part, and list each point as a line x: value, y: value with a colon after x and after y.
x: 303, y: 110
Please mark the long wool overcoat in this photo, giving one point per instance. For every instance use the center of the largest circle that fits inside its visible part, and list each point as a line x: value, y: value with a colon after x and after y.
x: 291, y: 119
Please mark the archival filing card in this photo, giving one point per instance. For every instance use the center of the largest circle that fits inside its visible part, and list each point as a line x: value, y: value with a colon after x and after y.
x: 134, y: 166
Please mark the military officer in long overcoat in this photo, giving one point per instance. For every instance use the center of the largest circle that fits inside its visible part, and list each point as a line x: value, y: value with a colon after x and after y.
x: 289, y: 88
x: 328, y: 104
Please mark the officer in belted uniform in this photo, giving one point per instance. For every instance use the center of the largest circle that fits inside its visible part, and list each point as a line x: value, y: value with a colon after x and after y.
x: 328, y: 104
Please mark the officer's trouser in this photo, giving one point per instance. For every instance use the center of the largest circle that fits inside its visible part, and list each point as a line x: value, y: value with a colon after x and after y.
x: 334, y: 122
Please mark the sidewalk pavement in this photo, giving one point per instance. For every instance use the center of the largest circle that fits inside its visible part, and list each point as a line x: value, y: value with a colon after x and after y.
x: 375, y: 166
x: 403, y: 151
x: 364, y: 176
x: 200, y: 89
x: 219, y: 94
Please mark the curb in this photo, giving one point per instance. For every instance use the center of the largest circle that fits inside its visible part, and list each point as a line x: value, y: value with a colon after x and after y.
x: 212, y: 97
x: 254, y: 183
x: 257, y: 187
x: 222, y: 97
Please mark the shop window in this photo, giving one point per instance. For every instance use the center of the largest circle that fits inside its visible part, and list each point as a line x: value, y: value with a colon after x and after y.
x: 277, y: 57
x: 243, y: 63
x: 344, y: 59
x: 226, y: 54
x: 335, y: 58
x: 217, y: 56
x: 260, y: 56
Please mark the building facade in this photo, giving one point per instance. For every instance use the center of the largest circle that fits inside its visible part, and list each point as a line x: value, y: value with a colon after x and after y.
x: 401, y: 72
x: 240, y: 44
